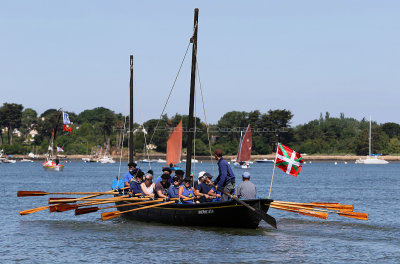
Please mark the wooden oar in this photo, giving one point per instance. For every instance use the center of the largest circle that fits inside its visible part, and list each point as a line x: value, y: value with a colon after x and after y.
x: 113, y: 214
x: 266, y: 217
x: 34, y: 210
x: 337, y: 206
x: 87, y: 210
x: 40, y: 193
x: 300, y: 211
x: 345, y: 212
x: 360, y: 216
x: 66, y: 200
x: 66, y: 207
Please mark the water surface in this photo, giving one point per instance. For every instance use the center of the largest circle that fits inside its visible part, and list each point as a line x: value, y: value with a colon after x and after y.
x: 45, y: 237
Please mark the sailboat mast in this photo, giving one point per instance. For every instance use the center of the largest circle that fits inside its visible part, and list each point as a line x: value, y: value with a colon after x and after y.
x: 54, y: 134
x: 131, y: 111
x: 192, y: 91
x: 370, y: 136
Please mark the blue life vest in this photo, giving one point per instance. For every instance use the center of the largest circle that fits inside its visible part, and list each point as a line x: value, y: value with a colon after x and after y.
x: 121, y: 184
x: 188, y: 193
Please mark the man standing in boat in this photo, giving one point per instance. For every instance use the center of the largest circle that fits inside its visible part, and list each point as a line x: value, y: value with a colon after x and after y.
x: 225, y: 182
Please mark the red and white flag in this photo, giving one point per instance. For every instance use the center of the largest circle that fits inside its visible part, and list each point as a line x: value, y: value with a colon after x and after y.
x: 67, y: 128
x: 288, y: 160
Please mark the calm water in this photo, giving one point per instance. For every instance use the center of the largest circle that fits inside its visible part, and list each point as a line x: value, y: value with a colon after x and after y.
x: 62, y: 237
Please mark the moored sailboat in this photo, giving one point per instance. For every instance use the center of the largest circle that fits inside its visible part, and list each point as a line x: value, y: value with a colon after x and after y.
x: 244, y: 151
x: 52, y: 162
x: 371, y: 158
x: 174, y: 147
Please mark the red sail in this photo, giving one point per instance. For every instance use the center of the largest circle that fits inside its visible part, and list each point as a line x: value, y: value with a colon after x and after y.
x: 245, y: 146
x: 174, y: 145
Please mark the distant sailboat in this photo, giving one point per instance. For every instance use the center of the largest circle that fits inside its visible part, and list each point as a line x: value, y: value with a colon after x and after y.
x: 174, y: 147
x: 244, y: 152
x: 371, y: 158
x: 53, y: 163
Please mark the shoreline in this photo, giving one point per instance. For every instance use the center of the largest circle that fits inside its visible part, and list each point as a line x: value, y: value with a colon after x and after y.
x: 306, y: 158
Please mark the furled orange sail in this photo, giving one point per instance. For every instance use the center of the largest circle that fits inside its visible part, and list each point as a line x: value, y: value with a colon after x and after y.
x: 246, y: 142
x: 174, y: 145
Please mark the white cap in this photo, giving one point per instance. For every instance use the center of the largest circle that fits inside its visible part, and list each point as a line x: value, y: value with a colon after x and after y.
x: 201, y: 174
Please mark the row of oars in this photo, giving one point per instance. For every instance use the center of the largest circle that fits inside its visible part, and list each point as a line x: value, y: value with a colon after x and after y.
x: 319, y: 210
x: 88, y: 203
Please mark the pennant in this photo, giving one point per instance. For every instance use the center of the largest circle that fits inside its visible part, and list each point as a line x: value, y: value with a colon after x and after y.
x: 288, y: 160
x: 66, y: 120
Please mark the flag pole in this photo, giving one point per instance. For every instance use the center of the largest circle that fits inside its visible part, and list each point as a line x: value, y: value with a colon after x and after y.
x: 273, y: 171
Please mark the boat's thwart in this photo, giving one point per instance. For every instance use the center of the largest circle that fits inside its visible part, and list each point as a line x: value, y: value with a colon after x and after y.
x: 214, y: 214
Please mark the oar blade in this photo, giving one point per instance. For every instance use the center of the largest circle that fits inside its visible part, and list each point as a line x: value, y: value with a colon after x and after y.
x: 110, y: 215
x: 314, y: 214
x: 65, y: 207
x: 34, y: 210
x: 270, y: 220
x: 80, y: 211
x: 355, y: 215
x: 30, y: 193
x: 61, y: 200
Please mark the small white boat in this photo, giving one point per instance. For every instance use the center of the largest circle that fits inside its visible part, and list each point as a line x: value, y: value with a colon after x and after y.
x: 159, y: 161
x: 50, y: 165
x: 106, y: 159
x: 9, y: 161
x: 245, y: 166
x: 5, y: 159
x: 193, y: 160
x: 371, y: 158
x: 26, y: 160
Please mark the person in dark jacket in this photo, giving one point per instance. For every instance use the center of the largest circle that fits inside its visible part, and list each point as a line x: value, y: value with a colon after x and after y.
x: 135, y: 184
x: 162, y: 186
x: 131, y: 174
x: 225, y: 182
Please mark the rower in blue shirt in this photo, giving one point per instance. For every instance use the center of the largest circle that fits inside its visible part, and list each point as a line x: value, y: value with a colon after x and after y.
x: 164, y: 170
x: 131, y: 173
x: 186, y: 191
x: 173, y: 190
x: 225, y: 182
x: 180, y: 174
x: 135, y: 184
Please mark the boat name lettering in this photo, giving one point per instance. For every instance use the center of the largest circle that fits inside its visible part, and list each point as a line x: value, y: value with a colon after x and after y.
x: 210, y: 211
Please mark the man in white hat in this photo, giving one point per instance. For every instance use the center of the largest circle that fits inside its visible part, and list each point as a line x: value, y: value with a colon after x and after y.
x: 200, y: 179
x: 246, y: 189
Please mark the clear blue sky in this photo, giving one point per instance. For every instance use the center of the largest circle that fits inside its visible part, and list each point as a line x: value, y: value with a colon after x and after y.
x: 305, y: 56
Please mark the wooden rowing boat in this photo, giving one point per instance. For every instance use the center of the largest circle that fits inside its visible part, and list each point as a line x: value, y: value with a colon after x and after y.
x: 213, y: 214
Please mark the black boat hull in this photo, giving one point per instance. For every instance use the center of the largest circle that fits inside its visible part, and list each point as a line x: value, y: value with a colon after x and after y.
x: 215, y: 214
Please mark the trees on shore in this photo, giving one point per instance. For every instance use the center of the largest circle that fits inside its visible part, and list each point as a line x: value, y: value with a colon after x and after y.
x: 99, y: 128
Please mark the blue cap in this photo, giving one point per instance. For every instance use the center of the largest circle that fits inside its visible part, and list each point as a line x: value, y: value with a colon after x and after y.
x: 246, y: 175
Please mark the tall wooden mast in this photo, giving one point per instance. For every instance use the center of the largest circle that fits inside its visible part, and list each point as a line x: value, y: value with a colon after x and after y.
x: 131, y: 111
x: 190, y: 130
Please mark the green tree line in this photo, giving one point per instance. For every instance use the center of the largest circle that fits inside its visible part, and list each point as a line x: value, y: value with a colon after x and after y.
x: 100, y: 128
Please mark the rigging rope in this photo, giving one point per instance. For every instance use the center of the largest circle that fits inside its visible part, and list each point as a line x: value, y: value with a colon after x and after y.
x: 170, y: 92
x: 205, y: 120
x: 144, y: 132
